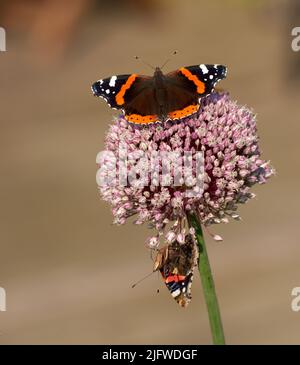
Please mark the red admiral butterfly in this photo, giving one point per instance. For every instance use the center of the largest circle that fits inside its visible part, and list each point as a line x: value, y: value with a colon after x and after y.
x: 145, y: 99
x: 176, y: 263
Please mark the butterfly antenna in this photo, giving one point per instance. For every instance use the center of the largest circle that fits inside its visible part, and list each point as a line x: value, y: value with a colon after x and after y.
x: 146, y: 63
x: 169, y: 59
x: 145, y: 277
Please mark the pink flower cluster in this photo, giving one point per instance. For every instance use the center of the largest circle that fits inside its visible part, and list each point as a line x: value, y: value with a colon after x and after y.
x: 224, y: 132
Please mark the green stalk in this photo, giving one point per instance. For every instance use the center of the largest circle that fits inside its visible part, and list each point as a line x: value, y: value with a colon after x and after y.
x: 208, y: 284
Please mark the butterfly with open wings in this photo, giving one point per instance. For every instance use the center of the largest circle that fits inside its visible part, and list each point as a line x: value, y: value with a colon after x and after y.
x: 171, y: 96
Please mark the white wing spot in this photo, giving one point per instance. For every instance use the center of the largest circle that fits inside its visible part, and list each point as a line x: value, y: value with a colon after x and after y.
x: 107, y: 91
x: 203, y: 68
x: 176, y: 293
x: 211, y: 76
x: 112, y: 81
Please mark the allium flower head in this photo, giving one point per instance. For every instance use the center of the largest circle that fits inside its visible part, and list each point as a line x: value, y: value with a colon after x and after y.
x: 226, y: 136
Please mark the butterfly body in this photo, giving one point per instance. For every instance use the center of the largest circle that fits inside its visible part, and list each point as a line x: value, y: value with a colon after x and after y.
x: 176, y: 264
x: 160, y: 93
x: 171, y: 96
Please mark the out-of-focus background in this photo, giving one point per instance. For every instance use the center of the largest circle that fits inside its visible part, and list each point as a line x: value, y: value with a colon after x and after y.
x: 66, y: 269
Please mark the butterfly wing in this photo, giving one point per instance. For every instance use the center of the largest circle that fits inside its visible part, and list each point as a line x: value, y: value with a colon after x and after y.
x: 140, y: 103
x: 176, y: 263
x: 181, y: 97
x: 186, y: 85
x: 112, y: 88
x: 204, y: 76
x: 134, y: 94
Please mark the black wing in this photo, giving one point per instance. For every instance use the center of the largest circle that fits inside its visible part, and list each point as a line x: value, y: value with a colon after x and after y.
x: 199, y: 79
x: 110, y: 87
x: 133, y: 93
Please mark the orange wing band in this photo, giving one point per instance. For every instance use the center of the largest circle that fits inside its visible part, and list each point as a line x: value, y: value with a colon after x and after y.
x: 178, y: 114
x: 120, y: 96
x: 175, y: 278
x: 200, y: 85
x: 141, y: 119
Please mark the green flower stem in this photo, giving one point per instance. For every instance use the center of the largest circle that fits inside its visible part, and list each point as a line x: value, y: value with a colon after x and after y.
x: 208, y: 284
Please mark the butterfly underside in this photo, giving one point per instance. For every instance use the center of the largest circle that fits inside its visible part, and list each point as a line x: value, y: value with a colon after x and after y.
x: 176, y: 262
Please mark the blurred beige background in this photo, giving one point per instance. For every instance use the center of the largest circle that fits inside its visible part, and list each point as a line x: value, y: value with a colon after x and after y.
x: 66, y: 269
